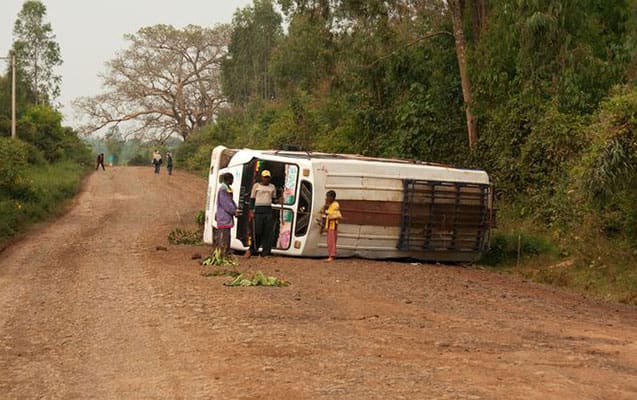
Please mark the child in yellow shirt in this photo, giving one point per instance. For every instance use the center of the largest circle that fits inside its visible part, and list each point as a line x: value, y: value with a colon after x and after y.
x: 332, y: 215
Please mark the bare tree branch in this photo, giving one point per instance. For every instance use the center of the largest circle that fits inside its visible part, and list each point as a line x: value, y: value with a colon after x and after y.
x: 167, y: 81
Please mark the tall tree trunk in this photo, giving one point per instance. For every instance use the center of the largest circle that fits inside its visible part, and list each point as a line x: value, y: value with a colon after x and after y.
x: 36, y: 85
x: 455, y: 10
x: 478, y: 18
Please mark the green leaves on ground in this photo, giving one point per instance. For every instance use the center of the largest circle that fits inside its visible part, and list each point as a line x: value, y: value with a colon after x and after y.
x: 218, y: 257
x: 257, y: 279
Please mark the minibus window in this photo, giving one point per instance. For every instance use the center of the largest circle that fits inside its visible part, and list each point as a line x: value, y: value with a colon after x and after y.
x: 304, y: 212
x: 289, y: 187
x: 285, y: 219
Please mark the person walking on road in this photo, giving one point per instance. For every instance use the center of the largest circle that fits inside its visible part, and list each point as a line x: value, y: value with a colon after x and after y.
x: 100, y: 161
x: 169, y: 162
x: 331, y: 213
x: 261, y: 198
x: 156, y: 161
x: 226, y: 211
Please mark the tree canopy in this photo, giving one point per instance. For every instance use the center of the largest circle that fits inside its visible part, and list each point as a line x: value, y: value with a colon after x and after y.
x: 166, y: 82
x: 37, y: 52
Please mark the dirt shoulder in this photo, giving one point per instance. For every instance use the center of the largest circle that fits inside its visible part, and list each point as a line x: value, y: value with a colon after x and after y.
x: 90, y: 309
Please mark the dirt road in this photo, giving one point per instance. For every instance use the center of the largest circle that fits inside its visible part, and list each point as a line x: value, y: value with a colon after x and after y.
x: 90, y: 309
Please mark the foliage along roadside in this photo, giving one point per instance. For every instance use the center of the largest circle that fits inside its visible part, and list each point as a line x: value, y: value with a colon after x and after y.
x: 44, y: 166
x: 31, y: 189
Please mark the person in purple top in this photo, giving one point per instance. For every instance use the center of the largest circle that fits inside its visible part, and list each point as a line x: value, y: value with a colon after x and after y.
x: 226, y: 211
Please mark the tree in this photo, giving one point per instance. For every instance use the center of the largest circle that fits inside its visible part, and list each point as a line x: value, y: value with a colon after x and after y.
x: 246, y: 74
x: 37, y: 52
x: 455, y: 11
x: 167, y: 81
x: 479, y: 10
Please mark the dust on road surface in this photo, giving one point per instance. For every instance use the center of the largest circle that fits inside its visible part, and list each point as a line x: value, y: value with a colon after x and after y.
x: 90, y: 309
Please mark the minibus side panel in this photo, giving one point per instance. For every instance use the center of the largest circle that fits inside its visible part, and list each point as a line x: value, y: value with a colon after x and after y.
x: 387, y: 213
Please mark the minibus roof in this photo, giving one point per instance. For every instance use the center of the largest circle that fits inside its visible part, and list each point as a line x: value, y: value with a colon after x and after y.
x: 354, y: 157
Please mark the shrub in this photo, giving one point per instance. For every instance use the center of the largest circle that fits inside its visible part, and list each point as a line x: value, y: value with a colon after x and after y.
x: 199, y: 162
x: 10, y: 216
x: 15, y: 156
x: 505, y: 247
x: 608, y: 172
x: 36, y: 192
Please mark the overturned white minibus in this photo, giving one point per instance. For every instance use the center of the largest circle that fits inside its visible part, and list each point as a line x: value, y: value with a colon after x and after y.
x: 391, y: 208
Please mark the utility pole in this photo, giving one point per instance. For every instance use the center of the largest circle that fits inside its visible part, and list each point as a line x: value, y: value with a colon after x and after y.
x: 13, y: 130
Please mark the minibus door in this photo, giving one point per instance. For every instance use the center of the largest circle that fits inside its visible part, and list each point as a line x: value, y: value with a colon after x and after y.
x: 248, y: 178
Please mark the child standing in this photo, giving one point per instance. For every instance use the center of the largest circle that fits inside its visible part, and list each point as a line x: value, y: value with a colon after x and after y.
x: 332, y: 214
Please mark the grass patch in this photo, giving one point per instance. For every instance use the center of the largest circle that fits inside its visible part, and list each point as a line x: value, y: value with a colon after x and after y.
x: 581, y: 260
x: 42, y: 192
x: 513, y: 248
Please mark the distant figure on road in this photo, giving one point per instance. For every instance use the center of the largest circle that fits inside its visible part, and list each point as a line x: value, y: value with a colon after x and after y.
x: 331, y: 213
x: 156, y: 161
x: 100, y: 161
x: 226, y: 211
x: 169, y: 162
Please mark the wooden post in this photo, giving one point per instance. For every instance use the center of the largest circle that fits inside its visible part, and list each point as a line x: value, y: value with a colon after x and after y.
x: 13, y: 121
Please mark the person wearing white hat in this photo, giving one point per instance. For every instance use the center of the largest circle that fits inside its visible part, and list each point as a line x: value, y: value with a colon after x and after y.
x: 261, y: 198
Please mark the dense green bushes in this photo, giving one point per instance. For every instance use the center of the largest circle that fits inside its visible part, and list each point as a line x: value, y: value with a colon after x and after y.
x: 41, y: 190
x: 511, y: 248
x: 45, y: 164
x: 608, y: 174
x: 31, y: 188
x: 41, y: 126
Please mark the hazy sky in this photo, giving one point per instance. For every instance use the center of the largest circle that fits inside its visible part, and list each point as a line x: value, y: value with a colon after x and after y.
x: 90, y: 32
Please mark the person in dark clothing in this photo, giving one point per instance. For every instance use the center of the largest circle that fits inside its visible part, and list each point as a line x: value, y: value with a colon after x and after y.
x: 100, y: 161
x: 261, y: 199
x: 156, y: 161
x: 169, y: 163
x: 226, y: 211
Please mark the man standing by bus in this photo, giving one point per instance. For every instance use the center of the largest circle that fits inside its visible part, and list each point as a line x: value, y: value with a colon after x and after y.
x: 261, y: 198
x: 226, y: 211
